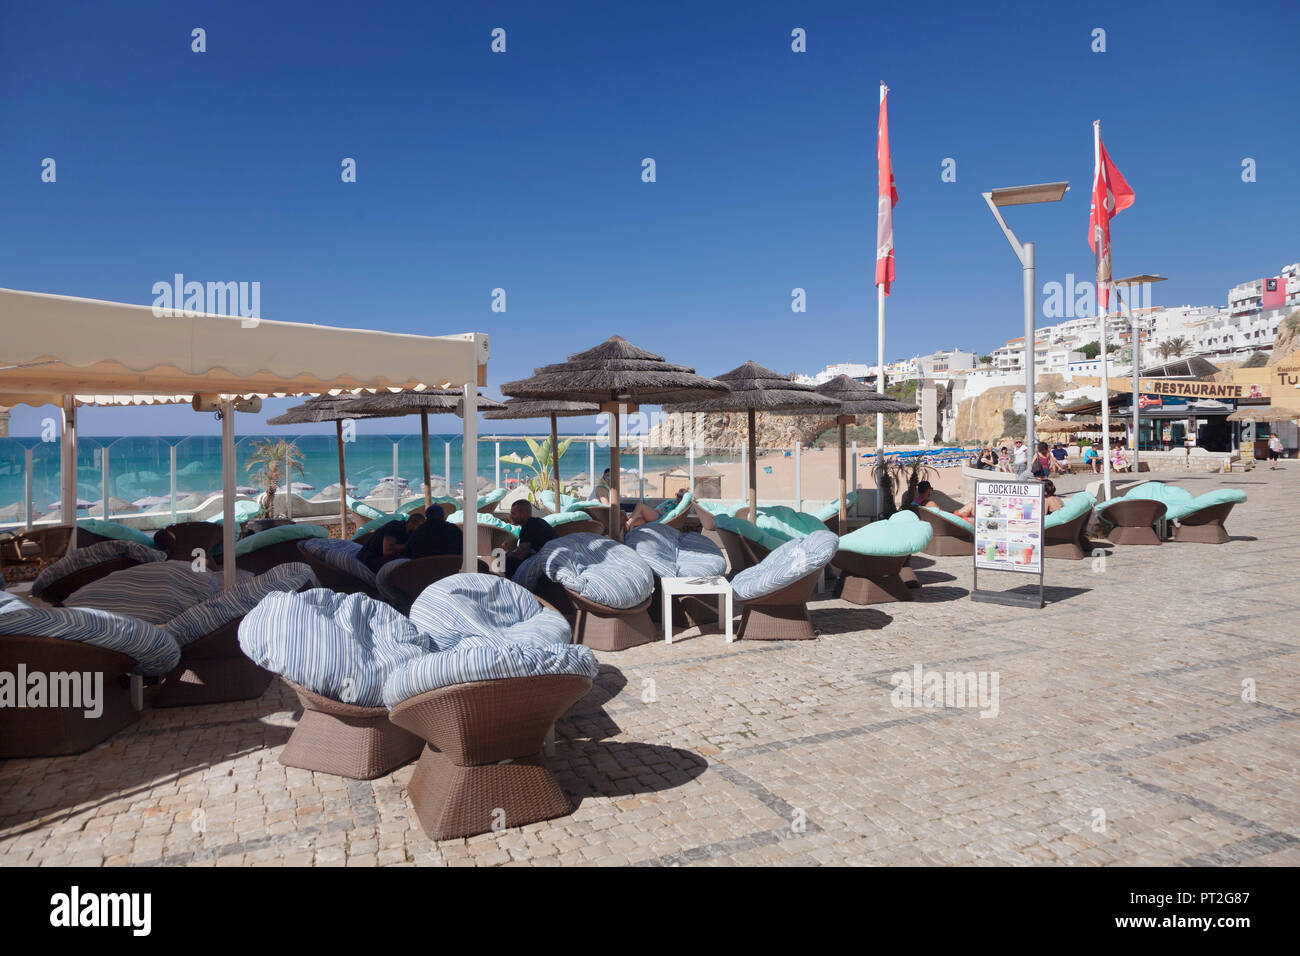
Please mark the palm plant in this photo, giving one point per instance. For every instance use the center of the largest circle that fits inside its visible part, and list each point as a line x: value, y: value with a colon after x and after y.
x: 1178, y: 346
x: 266, y: 465
x: 540, y: 463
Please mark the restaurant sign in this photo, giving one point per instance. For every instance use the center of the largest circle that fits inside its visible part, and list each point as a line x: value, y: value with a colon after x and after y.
x: 1195, y: 388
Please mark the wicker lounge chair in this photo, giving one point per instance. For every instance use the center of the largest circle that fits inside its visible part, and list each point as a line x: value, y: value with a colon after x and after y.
x: 679, y: 554
x: 73, y: 641
x: 1133, y: 519
x: 605, y: 585
x: 873, y: 557
x: 675, y: 516
x: 952, y: 535
x: 829, y: 514
x: 335, y: 651
x: 746, y: 543
x: 485, y: 701
x: 83, y: 565
x: 182, y: 539
x: 40, y: 546
x: 583, y: 526
x: 401, y: 581
x: 493, y: 533
x: 775, y: 592
x: 338, y: 565
x: 1063, y: 529
x: 1197, y: 519
x: 213, y: 669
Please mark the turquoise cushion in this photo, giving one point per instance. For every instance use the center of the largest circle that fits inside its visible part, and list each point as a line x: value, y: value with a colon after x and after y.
x: 111, y: 529
x: 491, y: 498
x: 832, y: 510
x: 564, y: 517
x: 376, y: 524
x: 1177, y: 501
x: 492, y: 521
x: 244, y: 511
x: 720, y: 506
x: 952, y: 519
x: 365, y: 510
x: 678, y: 509
x: 747, y: 529
x: 904, y: 533
x: 1220, y: 496
x: 286, y: 532
x: 1075, y: 505
x: 786, y: 523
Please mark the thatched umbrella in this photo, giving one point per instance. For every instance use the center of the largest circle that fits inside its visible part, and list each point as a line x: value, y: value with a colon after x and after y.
x: 325, y: 408
x: 524, y: 408
x: 438, y: 401
x: 1055, y: 426
x: 756, y: 389
x: 1264, y: 413
x: 855, y: 399
x: 619, y: 376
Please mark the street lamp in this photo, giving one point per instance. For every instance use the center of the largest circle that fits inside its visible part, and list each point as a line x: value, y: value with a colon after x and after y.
x: 1021, y: 196
x: 1137, y: 349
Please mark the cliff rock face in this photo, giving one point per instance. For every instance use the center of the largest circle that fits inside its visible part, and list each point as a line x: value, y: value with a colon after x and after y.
x: 980, y: 418
x: 1288, y: 339
x: 717, y: 431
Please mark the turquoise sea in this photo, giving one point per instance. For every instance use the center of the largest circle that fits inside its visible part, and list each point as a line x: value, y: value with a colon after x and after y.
x: 139, y: 467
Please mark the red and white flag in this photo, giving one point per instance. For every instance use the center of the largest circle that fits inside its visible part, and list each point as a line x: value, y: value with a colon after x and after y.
x: 1110, y: 195
x: 888, y: 199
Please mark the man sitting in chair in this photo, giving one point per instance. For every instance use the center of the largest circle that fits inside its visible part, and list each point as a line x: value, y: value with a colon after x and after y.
x: 435, y: 536
x: 533, y: 535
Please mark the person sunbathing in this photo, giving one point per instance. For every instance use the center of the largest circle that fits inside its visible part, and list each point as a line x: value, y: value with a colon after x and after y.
x: 644, y: 514
x: 923, y: 499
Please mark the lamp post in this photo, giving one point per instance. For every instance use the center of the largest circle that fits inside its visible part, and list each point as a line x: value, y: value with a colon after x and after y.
x: 1136, y: 332
x: 1021, y: 196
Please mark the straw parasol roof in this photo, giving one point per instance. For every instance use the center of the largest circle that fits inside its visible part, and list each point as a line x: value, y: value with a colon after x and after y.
x: 856, y: 398
x: 754, y: 389
x: 615, y: 371
x: 1055, y: 426
x: 1264, y: 413
x: 539, y: 408
x: 435, y: 401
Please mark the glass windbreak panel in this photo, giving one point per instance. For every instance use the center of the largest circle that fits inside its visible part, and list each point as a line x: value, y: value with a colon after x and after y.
x: 93, y: 473
x: 47, y: 476
x: 370, y: 468
x: 410, y: 450
x: 198, y: 478
x: 14, y: 506
x: 139, y: 477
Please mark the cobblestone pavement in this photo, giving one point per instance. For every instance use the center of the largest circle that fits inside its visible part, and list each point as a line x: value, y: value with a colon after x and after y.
x: 1121, y: 736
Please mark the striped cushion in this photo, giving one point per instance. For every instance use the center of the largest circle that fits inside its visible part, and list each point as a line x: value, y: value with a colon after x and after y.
x: 385, y: 590
x: 529, y: 572
x: 152, y: 648
x: 341, y: 646
x: 676, y: 554
x: 598, y: 569
x: 904, y: 533
x: 218, y: 611
x: 339, y: 555
x: 792, y: 561
x: 154, y: 592
x: 95, y: 554
x: 484, y: 605
x: 832, y: 509
x: 486, y: 628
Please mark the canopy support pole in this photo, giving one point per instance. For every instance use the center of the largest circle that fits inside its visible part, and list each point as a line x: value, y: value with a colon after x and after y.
x: 469, y: 468
x: 228, y: 493
x: 555, y: 463
x: 753, y: 470
x: 424, y: 444
x: 343, y: 483
x: 842, y: 420
x: 615, y: 472
x: 68, y: 472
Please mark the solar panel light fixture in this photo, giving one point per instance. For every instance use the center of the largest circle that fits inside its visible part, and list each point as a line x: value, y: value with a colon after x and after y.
x: 1022, y: 196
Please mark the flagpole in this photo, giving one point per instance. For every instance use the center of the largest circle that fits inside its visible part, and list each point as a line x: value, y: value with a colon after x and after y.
x: 880, y: 323
x: 1101, y: 339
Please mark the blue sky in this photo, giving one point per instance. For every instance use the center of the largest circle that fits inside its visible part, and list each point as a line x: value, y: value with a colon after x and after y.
x: 523, y: 170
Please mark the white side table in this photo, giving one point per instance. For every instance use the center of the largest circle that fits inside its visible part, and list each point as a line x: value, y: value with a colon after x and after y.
x: 713, y: 584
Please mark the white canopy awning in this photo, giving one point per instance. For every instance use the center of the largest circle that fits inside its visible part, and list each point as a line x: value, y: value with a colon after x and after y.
x: 59, y: 345
x: 57, y: 349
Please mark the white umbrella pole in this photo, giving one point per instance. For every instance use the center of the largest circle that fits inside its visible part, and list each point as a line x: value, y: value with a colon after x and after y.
x: 469, y: 468
x: 228, y: 493
x: 68, y: 473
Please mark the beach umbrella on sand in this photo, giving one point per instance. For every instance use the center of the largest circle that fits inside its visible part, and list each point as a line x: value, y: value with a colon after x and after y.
x: 855, y: 399
x: 525, y: 408
x: 436, y: 401
x: 618, y: 376
x: 754, y: 389
x: 325, y: 408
